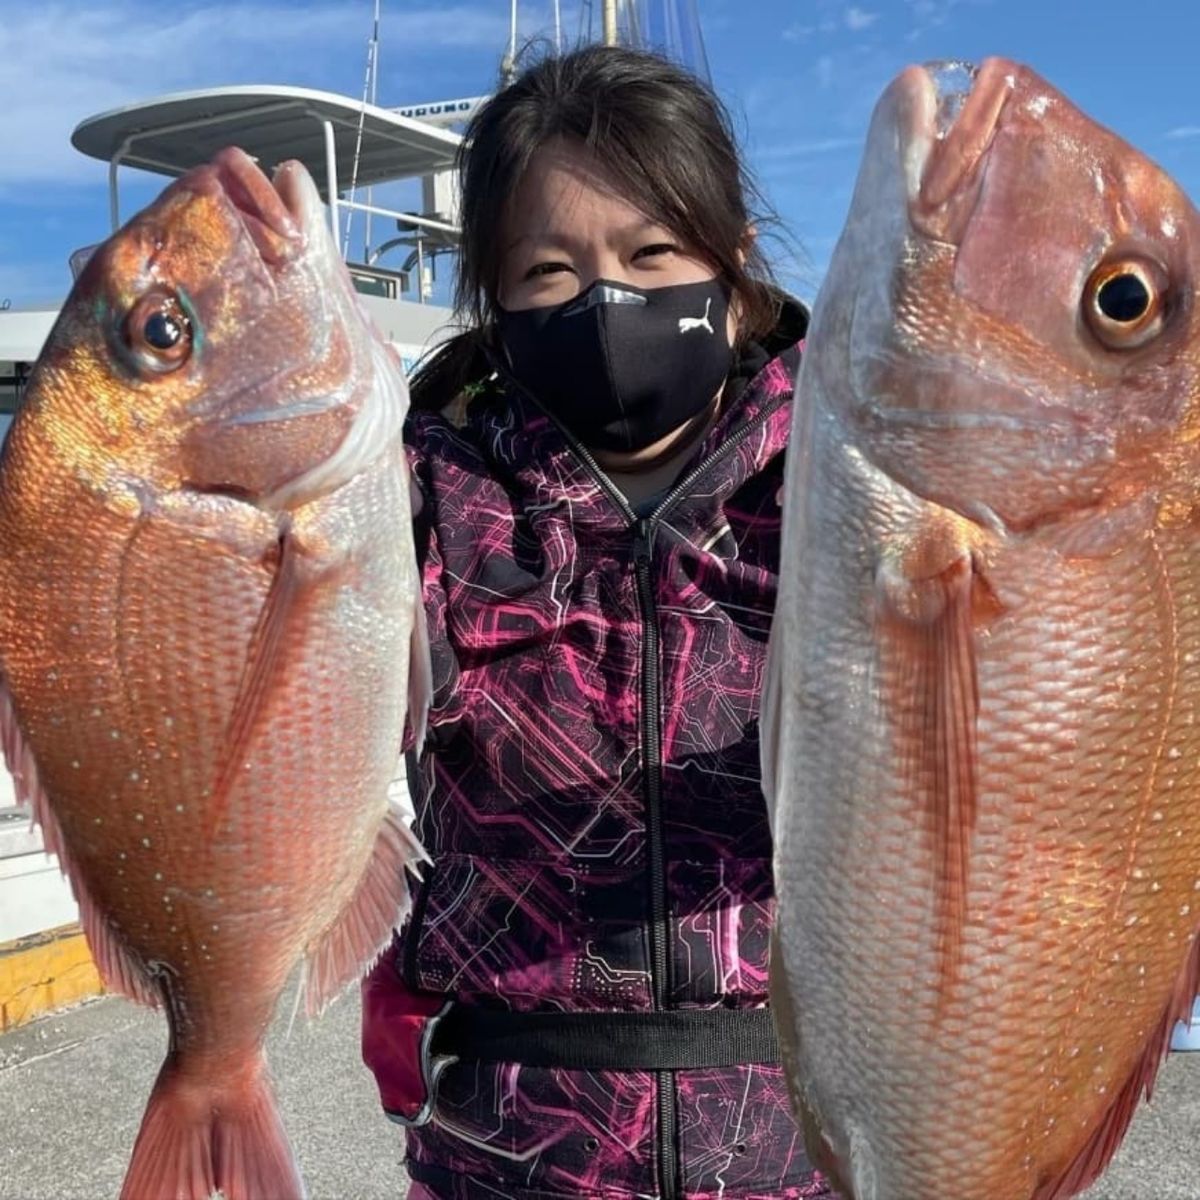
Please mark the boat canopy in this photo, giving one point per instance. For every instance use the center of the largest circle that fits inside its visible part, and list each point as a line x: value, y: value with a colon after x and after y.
x: 171, y: 134
x: 337, y: 138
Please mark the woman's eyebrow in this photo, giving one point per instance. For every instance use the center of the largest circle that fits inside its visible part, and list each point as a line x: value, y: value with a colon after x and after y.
x: 565, y: 238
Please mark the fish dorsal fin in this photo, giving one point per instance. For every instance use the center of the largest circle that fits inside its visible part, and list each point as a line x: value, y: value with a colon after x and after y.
x: 420, y: 673
x: 769, y: 728
x: 931, y: 596
x: 119, y: 967
x: 259, y: 674
x: 817, y: 1146
x: 1106, y: 1138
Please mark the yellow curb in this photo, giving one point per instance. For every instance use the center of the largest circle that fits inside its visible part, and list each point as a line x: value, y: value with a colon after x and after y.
x: 44, y: 972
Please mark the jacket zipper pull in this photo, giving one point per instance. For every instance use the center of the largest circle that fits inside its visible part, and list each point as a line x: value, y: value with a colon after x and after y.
x: 643, y: 540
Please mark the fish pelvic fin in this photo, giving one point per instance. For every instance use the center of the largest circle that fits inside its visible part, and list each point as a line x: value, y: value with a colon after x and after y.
x: 360, y: 933
x: 212, y: 1137
x: 932, y: 596
x: 1095, y: 1155
x: 120, y: 968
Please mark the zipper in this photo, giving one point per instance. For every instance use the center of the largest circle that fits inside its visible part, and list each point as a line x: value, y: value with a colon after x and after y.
x: 728, y: 446
x: 660, y: 929
x: 643, y: 530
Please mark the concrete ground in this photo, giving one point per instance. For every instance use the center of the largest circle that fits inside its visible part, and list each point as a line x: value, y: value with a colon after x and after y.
x: 72, y: 1087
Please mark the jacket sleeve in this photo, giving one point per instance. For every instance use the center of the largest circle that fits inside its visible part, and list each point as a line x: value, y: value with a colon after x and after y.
x: 398, y: 1025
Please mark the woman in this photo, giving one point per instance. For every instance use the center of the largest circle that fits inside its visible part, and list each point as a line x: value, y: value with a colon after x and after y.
x: 577, y: 1005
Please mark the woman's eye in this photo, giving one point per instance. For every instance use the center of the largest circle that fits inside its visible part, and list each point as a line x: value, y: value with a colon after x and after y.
x: 547, y: 268
x: 654, y: 250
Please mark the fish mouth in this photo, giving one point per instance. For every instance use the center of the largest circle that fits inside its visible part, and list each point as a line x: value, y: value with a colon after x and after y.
x: 274, y: 217
x: 950, y: 111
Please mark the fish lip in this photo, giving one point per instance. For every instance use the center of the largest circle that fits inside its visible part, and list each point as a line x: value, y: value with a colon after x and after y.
x: 265, y: 215
x: 296, y: 189
x: 951, y: 111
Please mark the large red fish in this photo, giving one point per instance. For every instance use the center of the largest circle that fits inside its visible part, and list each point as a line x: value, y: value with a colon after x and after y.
x: 981, y: 726
x: 207, y: 597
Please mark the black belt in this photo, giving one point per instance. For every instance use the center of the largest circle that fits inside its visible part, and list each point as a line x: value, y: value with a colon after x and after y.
x: 677, y: 1040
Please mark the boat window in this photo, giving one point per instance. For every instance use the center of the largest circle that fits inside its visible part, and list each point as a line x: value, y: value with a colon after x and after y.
x: 12, y: 382
x: 13, y: 376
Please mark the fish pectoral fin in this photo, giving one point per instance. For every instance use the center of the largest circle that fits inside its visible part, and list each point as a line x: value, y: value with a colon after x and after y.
x: 931, y: 597
x: 120, y: 969
x: 1105, y: 1139
x: 260, y: 672
x: 360, y: 932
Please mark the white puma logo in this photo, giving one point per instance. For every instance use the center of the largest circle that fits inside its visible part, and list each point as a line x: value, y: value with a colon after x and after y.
x: 687, y: 324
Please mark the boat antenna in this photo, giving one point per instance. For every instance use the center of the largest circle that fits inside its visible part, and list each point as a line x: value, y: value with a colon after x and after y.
x: 370, y: 85
x: 373, y: 58
x: 508, y: 64
x: 557, y: 27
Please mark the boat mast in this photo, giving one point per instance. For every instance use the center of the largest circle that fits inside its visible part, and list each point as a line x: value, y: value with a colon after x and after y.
x: 508, y: 64
x: 610, y: 22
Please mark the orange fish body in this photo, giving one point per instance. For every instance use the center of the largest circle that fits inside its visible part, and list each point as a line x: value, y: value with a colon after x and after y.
x: 982, y: 712
x: 207, y: 597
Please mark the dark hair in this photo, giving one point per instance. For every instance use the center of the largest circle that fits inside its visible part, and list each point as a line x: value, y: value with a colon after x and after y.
x: 663, y: 135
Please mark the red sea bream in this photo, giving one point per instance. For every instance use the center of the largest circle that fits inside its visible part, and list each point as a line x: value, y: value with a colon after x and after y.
x: 207, y: 598
x: 980, y: 722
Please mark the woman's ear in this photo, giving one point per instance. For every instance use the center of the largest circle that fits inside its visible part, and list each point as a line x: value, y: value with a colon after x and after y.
x: 746, y: 244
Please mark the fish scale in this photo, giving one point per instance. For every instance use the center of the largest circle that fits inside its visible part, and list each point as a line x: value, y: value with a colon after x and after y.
x: 980, y: 711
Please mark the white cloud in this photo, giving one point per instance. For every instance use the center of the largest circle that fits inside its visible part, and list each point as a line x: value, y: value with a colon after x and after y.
x: 930, y: 14
x: 83, y: 59
x: 806, y: 148
x: 801, y: 32
x: 858, y: 19
x: 1180, y: 132
x: 854, y: 19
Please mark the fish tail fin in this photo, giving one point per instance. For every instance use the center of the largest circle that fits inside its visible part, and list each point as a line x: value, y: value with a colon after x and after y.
x: 363, y: 928
x: 201, y: 1139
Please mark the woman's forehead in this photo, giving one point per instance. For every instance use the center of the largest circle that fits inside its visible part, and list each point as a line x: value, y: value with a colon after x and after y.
x: 568, y: 192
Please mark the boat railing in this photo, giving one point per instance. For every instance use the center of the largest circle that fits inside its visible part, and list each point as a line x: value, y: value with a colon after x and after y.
x: 348, y: 147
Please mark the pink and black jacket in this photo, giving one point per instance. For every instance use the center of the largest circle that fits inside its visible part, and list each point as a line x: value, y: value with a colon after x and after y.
x: 590, y: 798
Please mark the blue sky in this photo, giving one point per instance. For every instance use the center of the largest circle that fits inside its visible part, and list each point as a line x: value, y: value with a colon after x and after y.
x: 800, y: 76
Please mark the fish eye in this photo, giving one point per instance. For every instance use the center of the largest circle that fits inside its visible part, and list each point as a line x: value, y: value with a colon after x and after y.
x: 159, y: 333
x: 1125, y: 302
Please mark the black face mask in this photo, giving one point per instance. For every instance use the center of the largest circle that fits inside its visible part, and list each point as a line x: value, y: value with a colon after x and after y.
x: 619, y: 366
